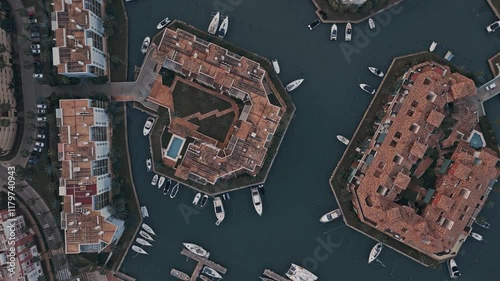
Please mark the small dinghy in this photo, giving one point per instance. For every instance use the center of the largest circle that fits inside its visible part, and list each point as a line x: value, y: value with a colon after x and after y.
x: 328, y: 217
x: 348, y: 32
x: 371, y: 24
x: 294, y: 85
x: 145, y: 45
x: 144, y: 212
x: 148, y: 229
x: 433, y: 46
x: 375, y: 252
x: 179, y: 274
x: 139, y: 250
x: 148, y: 164
x: 161, y: 182
x: 142, y: 242
x: 154, y: 181
x: 163, y: 23
x: 204, y: 201
x: 276, y: 66
x: 223, y: 27
x: 196, y: 198
x: 146, y: 235
x: 453, y: 269
x: 333, y: 32
x: 483, y: 224
x: 197, y: 250
x: 367, y: 88
x: 343, y: 139
x: 211, y: 272
x: 376, y: 71
x: 174, y: 191
x: 214, y: 23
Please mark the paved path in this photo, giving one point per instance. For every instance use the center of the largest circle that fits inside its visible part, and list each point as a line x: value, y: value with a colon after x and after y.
x: 484, y: 95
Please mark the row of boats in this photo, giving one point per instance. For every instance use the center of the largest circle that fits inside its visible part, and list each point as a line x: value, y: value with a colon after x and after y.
x: 220, y: 213
x: 146, y: 237
x: 348, y: 29
x: 220, y: 29
x: 367, y: 88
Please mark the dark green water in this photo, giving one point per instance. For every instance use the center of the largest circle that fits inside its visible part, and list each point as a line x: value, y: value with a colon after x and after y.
x: 328, y: 103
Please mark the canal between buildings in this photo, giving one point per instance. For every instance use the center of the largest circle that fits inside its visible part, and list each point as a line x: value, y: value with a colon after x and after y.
x: 328, y: 103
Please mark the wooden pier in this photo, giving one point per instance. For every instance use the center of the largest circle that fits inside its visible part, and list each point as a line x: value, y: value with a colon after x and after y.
x: 274, y: 275
x: 202, y: 261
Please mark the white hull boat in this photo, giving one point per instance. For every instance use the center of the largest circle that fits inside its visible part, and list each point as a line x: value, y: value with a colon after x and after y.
x: 449, y: 56
x: 476, y: 236
x: 145, y: 45
x: 163, y: 23
x: 148, y: 229
x: 333, y: 32
x: 148, y: 126
x: 211, y: 272
x: 375, y: 252
x: 348, y: 32
x: 433, y: 46
x: 144, y: 212
x: 483, y: 224
x: 148, y: 164
x: 294, y: 85
x: 179, y: 274
x: 298, y: 273
x: 154, y: 181
x: 343, y: 139
x: 139, y: 250
x: 276, y: 66
x: 453, y: 269
x: 371, y: 23
x: 367, y: 88
x: 196, y: 198
x: 204, y: 201
x: 214, y: 23
x: 330, y: 216
x: 174, y: 191
x: 219, y: 209
x: 376, y: 71
x: 142, y: 242
x: 257, y: 202
x: 223, y: 27
x: 161, y: 182
x: 146, y: 235
x: 197, y: 250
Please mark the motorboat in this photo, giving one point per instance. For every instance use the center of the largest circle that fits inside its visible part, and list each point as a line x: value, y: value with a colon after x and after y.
x: 276, y: 66
x: 348, y: 32
x: 166, y: 189
x: 483, y: 224
x: 376, y: 71
x: 142, y: 242
x: 214, y: 23
x: 433, y: 46
x: 144, y: 212
x: 257, y: 202
x: 148, y: 164
x: 179, y: 274
x: 333, y: 32
x: 161, y: 182
x: 375, y: 252
x: 148, y: 229
x: 371, y: 23
x: 145, y: 45
x: 367, y: 88
x: 223, y: 27
x: 146, y: 235
x: 313, y: 24
x: 219, y: 209
x: 174, y: 191
x: 139, y: 250
x: 330, y: 216
x: 294, y: 85
x: 197, y: 250
x: 196, y: 198
x: 163, y: 23
x: 477, y: 236
x: 204, y: 201
x: 453, y: 269
x: 154, y: 181
x: 148, y: 126
x: 449, y: 56
x: 343, y: 139
x: 211, y: 272
x: 298, y: 273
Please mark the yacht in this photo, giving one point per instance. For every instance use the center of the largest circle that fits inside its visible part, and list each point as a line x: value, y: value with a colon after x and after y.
x: 453, y: 269
x: 142, y: 242
x: 298, y: 273
x: 144, y: 212
x: 174, y: 191
x: 348, y: 32
x: 148, y: 126
x: 276, y: 66
x: 161, y: 182
x: 211, y: 272
x: 367, y: 88
x: 204, y: 201
x: 333, y: 32
x: 375, y: 252
x: 145, y: 45
x: 294, y: 85
x: 154, y: 181
x: 196, y: 198
x: 179, y: 274
x: 163, y: 23
x: 223, y: 27
x: 433, y: 46
x: 214, y: 23
x: 376, y: 71
x: 343, y: 139
x: 148, y: 229
x: 146, y: 235
x: 257, y: 202
x: 139, y: 250
x: 197, y: 250
x: 371, y: 24
x: 330, y: 216
x: 148, y: 164
x: 219, y: 209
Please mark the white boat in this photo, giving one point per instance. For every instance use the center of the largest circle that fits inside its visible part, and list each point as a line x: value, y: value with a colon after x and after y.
x: 148, y: 164
x: 145, y: 45
x: 139, y: 250
x: 197, y: 250
x: 298, y: 273
x: 257, y: 202
x: 483, y: 224
x: 449, y: 56
x: 204, y: 201
x: 219, y: 209
x: 142, y: 242
x: 348, y: 32
x: 294, y: 85
x: 163, y: 23
x: 211, y: 272
x: 161, y: 182
x: 174, y: 191
x: 214, y: 23
x: 476, y: 236
x: 276, y: 66
x: 179, y: 274
x: 367, y: 88
x: 333, y: 32
x: 144, y: 212
x: 196, y: 198
x: 375, y: 252
x: 376, y: 71
x: 330, y: 216
x: 148, y: 126
x: 154, y: 181
x: 343, y: 139
x: 223, y: 27
x: 148, y: 228
x: 146, y: 235
x: 453, y: 269
x: 371, y: 23
x: 433, y: 46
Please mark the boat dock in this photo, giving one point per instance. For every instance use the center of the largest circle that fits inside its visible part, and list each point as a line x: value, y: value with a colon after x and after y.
x: 274, y: 275
x: 202, y: 261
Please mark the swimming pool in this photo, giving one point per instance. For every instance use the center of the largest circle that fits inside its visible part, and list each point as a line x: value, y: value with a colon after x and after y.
x: 174, y: 147
x: 476, y: 139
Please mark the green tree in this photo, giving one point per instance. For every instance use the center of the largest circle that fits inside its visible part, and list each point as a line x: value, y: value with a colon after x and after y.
x: 5, y: 106
x: 115, y: 61
x: 110, y: 24
x: 118, y: 208
x: 4, y: 122
x: 50, y: 169
x: 25, y: 153
x: 52, y: 186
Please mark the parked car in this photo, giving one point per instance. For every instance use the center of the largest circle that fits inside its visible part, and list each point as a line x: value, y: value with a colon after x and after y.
x: 492, y: 27
x: 313, y: 24
x: 41, y: 119
x: 37, y: 75
x: 37, y: 149
x: 35, y: 46
x: 41, y: 106
x: 32, y: 20
x: 40, y: 111
x: 39, y: 144
x: 35, y: 51
x: 35, y: 34
x: 40, y: 136
x: 491, y: 86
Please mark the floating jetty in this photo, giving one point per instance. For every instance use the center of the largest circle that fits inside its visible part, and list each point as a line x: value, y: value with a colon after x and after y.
x: 275, y: 276
x: 202, y: 261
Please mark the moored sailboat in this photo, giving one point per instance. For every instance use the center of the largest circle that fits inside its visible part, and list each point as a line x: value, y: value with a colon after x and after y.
x: 223, y: 27
x: 197, y: 250
x: 139, y: 250
x: 294, y: 85
x: 148, y: 229
x: 142, y: 242
x: 161, y: 182
x: 330, y: 216
x: 343, y: 139
x: 174, y: 191
x: 214, y: 23
x: 375, y: 252
x: 146, y: 235
x: 211, y: 272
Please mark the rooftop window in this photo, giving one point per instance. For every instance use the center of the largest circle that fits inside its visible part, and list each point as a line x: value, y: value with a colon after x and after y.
x: 397, y: 134
x: 414, y: 103
x: 431, y: 96
x: 414, y: 128
x: 393, y: 143
x: 398, y: 159
x: 427, y: 81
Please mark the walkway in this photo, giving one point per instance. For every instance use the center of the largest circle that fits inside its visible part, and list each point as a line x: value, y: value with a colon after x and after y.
x: 484, y: 95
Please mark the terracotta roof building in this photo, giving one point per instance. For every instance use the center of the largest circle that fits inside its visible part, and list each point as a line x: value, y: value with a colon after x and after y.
x: 385, y: 178
x: 80, y: 47
x: 8, y: 118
